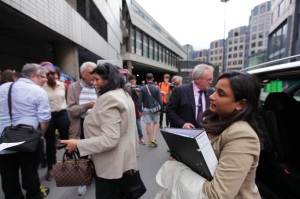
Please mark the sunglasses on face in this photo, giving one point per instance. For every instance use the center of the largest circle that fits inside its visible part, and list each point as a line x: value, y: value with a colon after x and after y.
x: 51, y: 73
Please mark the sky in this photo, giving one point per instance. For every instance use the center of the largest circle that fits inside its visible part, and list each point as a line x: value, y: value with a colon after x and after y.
x: 199, y: 22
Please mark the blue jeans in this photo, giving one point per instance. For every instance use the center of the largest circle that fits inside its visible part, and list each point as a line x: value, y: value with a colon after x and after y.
x: 139, y: 127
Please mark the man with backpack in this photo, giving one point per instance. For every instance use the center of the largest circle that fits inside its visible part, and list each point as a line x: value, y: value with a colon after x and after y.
x: 150, y: 104
x: 164, y: 87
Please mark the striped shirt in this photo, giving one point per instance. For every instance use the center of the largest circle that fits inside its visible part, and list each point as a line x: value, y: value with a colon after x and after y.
x: 87, y: 95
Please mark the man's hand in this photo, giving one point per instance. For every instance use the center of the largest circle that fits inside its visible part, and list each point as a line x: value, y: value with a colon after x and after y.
x: 188, y: 126
x: 141, y: 114
x: 91, y: 104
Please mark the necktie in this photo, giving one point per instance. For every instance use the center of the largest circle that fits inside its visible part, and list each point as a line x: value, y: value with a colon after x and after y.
x: 199, y: 109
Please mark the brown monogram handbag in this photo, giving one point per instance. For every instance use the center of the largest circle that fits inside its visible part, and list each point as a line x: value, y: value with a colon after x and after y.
x: 74, y: 172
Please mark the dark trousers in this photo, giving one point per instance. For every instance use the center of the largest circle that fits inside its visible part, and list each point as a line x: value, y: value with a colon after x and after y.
x: 9, y: 170
x: 108, y: 188
x: 161, y: 117
x: 61, y: 121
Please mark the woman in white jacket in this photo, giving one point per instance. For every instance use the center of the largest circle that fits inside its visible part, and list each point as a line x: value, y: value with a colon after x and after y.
x: 235, y: 137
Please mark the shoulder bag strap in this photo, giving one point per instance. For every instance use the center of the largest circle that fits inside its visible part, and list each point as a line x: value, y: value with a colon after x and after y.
x: 9, y: 102
x: 148, y: 90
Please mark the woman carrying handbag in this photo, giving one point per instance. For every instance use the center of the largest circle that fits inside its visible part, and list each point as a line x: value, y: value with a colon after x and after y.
x: 110, y: 133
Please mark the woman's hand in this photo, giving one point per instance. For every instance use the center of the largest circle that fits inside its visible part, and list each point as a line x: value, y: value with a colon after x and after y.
x: 172, y: 159
x: 71, y: 145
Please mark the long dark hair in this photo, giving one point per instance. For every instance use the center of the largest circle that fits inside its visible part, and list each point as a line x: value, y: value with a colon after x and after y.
x: 244, y: 86
x: 110, y: 73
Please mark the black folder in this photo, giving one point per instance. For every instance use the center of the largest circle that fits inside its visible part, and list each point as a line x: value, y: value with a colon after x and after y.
x: 189, y: 152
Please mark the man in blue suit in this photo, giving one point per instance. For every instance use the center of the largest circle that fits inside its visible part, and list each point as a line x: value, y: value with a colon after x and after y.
x: 188, y: 101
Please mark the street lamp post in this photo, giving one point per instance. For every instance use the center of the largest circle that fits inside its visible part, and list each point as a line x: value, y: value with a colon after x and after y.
x: 187, y: 59
x: 224, y: 42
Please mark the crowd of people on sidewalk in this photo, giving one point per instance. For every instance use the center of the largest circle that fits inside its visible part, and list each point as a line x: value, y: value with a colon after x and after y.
x: 105, y: 116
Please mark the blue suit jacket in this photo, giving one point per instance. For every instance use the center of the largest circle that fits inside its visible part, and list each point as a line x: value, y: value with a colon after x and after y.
x: 182, y: 107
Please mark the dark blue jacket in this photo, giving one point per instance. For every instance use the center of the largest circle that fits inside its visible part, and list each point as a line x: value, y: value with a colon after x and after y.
x: 181, y: 108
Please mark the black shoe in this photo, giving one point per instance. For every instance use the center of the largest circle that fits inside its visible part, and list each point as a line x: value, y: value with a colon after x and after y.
x: 160, y: 126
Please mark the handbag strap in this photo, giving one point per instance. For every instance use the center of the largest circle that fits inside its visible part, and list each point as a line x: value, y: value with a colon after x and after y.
x: 148, y: 90
x: 9, y: 102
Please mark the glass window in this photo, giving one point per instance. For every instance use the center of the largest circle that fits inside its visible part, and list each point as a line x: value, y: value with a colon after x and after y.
x: 253, y: 36
x: 242, y: 39
x: 211, y: 59
x: 252, y: 52
x: 254, y: 28
x: 216, y: 51
x: 281, y: 7
x: 234, y: 63
x: 268, y: 16
x: 236, y: 41
x: 262, y: 18
x: 235, y: 48
x: 267, y: 25
x: 266, y: 42
x: 220, y: 51
x: 262, y: 9
x: 254, y: 21
x: 291, y: 1
x: 230, y: 41
x: 229, y: 56
x: 236, y: 32
x: 253, y: 45
x: 234, y: 55
x: 261, y: 26
x: 260, y: 43
x: 240, y: 62
x: 211, y: 52
x: 200, y: 54
x: 267, y: 33
x: 216, y: 44
x: 241, y: 47
x: 261, y: 35
x: 220, y: 57
x: 229, y: 63
x: 230, y: 49
x: 240, y: 54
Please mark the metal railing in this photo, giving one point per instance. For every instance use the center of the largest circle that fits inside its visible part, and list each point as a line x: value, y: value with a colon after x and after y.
x: 271, y: 62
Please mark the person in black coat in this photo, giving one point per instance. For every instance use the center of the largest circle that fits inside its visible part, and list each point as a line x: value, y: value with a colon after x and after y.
x: 185, y: 106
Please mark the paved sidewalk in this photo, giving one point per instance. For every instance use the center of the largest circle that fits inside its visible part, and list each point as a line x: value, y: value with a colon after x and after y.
x: 149, y: 161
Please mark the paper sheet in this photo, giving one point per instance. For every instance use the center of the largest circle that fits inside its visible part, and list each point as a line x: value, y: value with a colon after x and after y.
x: 210, y: 158
x: 202, y: 140
x: 8, y: 145
x: 184, y: 132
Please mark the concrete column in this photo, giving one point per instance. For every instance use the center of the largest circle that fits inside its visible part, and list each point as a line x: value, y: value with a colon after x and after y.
x: 66, y: 57
x: 129, y: 66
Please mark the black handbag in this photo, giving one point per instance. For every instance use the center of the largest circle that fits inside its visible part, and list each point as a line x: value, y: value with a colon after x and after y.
x: 132, y: 186
x: 20, y: 133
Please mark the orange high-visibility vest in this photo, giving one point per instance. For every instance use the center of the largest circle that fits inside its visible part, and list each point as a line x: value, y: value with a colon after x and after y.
x: 164, y: 88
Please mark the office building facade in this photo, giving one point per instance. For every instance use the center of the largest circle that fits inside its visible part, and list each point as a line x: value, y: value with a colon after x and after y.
x: 202, y: 55
x: 259, y: 25
x: 236, y: 48
x: 284, y: 33
x: 70, y: 32
x: 216, y: 52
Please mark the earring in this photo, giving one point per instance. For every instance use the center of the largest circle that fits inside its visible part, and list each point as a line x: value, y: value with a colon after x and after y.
x: 237, y: 109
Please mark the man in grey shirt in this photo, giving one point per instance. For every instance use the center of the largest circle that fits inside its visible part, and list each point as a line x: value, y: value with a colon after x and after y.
x: 144, y: 107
